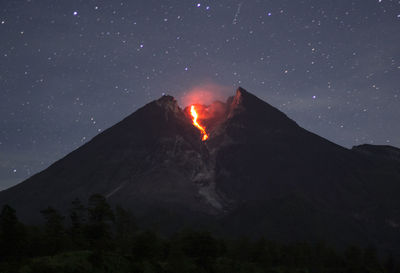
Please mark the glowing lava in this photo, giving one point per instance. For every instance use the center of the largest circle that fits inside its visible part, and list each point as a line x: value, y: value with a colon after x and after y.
x: 195, y: 123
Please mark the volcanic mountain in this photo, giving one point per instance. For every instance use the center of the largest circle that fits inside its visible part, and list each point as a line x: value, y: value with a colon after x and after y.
x: 257, y: 174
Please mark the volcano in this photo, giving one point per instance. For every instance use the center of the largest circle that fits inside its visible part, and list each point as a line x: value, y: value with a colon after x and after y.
x: 256, y: 174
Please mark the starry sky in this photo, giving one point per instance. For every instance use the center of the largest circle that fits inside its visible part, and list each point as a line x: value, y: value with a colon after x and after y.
x: 71, y: 69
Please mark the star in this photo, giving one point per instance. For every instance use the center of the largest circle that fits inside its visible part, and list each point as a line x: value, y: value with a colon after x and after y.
x: 342, y: 60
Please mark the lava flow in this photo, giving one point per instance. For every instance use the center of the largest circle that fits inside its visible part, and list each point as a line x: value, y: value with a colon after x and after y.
x: 195, y: 123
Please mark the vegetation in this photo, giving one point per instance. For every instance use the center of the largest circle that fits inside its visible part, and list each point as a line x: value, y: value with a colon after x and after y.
x: 97, y: 238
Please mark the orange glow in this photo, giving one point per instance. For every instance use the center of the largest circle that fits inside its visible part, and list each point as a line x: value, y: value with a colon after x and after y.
x: 195, y: 123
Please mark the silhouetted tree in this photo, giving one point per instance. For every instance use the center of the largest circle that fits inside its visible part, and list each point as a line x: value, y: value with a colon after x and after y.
x: 100, y: 218
x: 202, y: 247
x: 77, y: 215
x: 98, y: 229
x: 390, y: 264
x: 125, y: 229
x: 370, y: 258
x: 259, y: 252
x: 177, y: 262
x: 12, y: 234
x: 354, y: 259
x: 54, y: 230
x: 116, y: 245
x: 147, y: 246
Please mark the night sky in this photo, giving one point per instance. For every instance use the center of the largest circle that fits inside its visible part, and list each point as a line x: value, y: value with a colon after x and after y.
x: 70, y: 69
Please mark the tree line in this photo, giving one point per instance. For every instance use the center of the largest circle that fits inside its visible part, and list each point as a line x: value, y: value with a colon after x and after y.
x: 95, y: 237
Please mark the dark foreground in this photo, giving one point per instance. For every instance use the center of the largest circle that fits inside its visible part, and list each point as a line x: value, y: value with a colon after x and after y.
x: 97, y: 238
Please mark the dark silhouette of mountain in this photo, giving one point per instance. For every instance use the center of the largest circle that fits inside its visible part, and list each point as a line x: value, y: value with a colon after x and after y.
x: 258, y: 174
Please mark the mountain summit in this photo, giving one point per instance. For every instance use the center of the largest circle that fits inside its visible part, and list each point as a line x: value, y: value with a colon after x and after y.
x: 257, y: 174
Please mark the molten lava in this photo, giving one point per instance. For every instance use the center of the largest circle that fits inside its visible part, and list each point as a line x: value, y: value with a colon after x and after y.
x: 195, y: 123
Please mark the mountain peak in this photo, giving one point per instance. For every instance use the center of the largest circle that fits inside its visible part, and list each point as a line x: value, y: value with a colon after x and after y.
x: 242, y: 92
x: 242, y: 96
x: 246, y: 100
x: 244, y: 105
x: 168, y: 102
x: 239, y: 102
x: 166, y: 98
